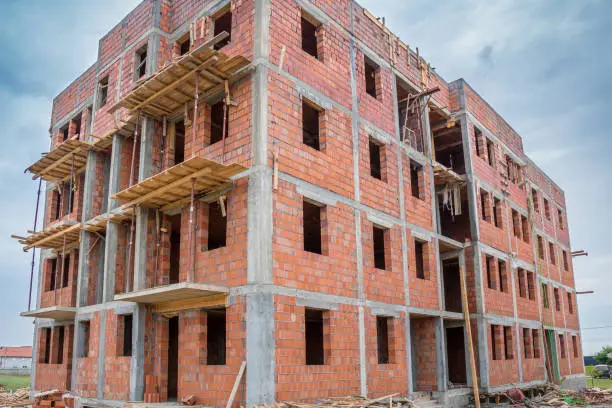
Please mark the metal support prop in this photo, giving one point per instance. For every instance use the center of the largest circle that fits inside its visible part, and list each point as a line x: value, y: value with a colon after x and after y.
x: 194, y: 122
x: 61, y: 277
x: 133, y: 164
x: 71, y: 185
x: 157, y: 246
x: 191, y: 270
x: 129, y: 276
x: 163, y: 141
x: 34, y: 249
x: 226, y: 103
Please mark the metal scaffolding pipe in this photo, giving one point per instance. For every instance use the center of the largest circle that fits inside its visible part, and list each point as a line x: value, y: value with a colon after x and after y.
x: 34, y: 249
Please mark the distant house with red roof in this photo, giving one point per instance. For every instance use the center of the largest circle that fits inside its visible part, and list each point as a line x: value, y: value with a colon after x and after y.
x: 16, y: 357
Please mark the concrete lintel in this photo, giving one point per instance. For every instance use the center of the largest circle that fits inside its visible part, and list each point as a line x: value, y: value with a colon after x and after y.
x: 376, y: 134
x: 388, y: 312
x: 519, y: 263
x: 489, y: 250
x: 315, y: 193
x: 379, y: 220
x: 308, y: 93
x: 114, y: 305
x: 315, y: 304
x: 500, y: 320
x: 421, y: 236
x: 40, y: 323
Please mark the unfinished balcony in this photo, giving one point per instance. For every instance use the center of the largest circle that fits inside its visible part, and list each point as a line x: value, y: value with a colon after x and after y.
x: 172, y: 198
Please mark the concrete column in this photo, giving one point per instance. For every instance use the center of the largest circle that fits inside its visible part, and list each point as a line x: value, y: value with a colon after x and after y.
x: 137, y: 361
x: 112, y: 229
x: 441, y: 361
x: 145, y: 170
x: 260, y: 356
x: 88, y: 187
x: 101, y: 355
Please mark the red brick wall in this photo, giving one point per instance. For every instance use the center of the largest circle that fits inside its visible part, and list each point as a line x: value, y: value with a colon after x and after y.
x: 87, y: 367
x: 385, y: 379
x: 338, y: 377
x: 424, y: 343
x: 116, y: 367
x: 54, y: 375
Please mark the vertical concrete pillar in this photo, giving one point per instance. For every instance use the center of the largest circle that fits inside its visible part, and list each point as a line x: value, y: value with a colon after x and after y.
x: 88, y: 187
x: 137, y: 361
x: 260, y: 356
x: 112, y: 229
x: 441, y: 361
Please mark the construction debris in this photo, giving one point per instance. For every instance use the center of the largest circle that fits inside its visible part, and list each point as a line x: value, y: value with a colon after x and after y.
x: 388, y: 401
x: 19, y: 398
x: 557, y: 397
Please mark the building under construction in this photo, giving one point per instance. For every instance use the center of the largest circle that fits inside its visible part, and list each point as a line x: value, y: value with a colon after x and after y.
x: 283, y: 195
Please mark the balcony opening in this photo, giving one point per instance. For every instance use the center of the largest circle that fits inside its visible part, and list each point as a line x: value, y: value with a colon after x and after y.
x: 217, y: 112
x: 455, y: 352
x: 454, y: 216
x: 223, y: 23
x: 309, y: 34
x: 102, y: 92
x: 85, y: 330
x: 310, y: 125
x: 66, y: 271
x: 175, y: 248
x: 312, y: 228
x: 179, y: 142
x: 447, y: 141
x: 173, y: 357
x: 125, y: 334
x: 378, y: 238
x: 64, y: 132
x: 416, y: 175
x: 419, y: 258
x: 452, y: 286
x: 372, y: 77
x: 315, y: 344
x: 52, y: 265
x: 60, y: 344
x: 409, y: 115
x: 382, y: 339
x: 46, y: 356
x: 376, y: 159
x: 217, y: 227
x: 140, y: 62
x: 183, y: 44
x: 215, y: 337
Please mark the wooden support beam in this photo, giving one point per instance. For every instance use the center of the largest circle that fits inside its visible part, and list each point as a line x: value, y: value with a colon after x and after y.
x: 211, y: 301
x: 468, y: 330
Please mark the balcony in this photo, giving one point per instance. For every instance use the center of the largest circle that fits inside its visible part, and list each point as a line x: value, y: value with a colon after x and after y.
x: 63, y: 235
x: 68, y: 158
x: 204, y: 72
x: 52, y: 312
x: 179, y: 296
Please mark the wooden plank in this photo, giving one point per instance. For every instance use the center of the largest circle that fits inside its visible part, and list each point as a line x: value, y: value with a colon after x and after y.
x: 468, y: 330
x: 230, y: 400
x: 203, y: 302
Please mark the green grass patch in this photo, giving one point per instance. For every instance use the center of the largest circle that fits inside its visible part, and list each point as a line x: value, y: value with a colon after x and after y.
x: 12, y: 382
x: 603, y: 383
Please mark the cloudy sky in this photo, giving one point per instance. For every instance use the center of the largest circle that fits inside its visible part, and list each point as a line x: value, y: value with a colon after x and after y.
x: 543, y: 65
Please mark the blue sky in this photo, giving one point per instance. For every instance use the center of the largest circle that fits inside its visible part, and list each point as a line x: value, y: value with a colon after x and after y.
x: 543, y: 65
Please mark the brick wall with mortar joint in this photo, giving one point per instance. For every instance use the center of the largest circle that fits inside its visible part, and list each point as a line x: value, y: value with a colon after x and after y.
x: 104, y: 119
x: 418, y: 209
x: 527, y: 308
x: 74, y: 94
x: 423, y: 292
x: 382, y: 195
x: 385, y: 379
x: 382, y: 285
x: 87, y: 367
x: 533, y: 368
x: 53, y: 375
x: 99, y: 202
x: 96, y: 251
x: 52, y: 201
x: 340, y: 374
x: 496, y: 237
x: 496, y: 301
x: 571, y: 319
x: 578, y: 361
x: 237, y: 147
x: 379, y: 110
x: 331, y: 167
x: 424, y: 344
x: 116, y: 366
x: 564, y: 368
x: 330, y: 74
x: 65, y: 296
x: 333, y: 271
x: 502, y: 371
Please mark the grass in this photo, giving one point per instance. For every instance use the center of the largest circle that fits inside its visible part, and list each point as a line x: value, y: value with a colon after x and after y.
x: 12, y: 382
x: 603, y: 383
